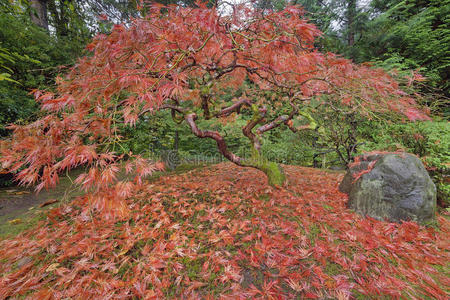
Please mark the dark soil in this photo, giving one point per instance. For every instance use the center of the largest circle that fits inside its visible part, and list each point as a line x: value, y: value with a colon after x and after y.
x: 17, y: 200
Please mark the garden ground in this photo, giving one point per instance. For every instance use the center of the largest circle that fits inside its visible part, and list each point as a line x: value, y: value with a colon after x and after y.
x: 221, y: 231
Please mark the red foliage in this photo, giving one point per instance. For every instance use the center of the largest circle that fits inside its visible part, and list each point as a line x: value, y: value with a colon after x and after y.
x: 221, y: 227
x: 362, y: 172
x: 222, y: 232
x: 183, y: 59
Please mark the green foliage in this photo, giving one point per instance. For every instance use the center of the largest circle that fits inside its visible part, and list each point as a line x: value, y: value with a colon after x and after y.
x: 5, y: 56
x: 18, y: 35
x: 15, y: 105
x: 155, y: 136
x: 289, y: 148
x: 31, y: 59
x: 414, y: 34
x: 330, y: 139
x: 142, y: 137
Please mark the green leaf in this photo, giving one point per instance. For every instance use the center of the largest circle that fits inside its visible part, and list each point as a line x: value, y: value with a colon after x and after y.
x: 6, y: 76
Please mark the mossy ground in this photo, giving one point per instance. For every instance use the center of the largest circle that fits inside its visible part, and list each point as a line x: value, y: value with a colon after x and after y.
x: 222, y: 231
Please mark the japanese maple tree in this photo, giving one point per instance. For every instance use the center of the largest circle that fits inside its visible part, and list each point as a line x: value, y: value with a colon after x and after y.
x: 184, y: 60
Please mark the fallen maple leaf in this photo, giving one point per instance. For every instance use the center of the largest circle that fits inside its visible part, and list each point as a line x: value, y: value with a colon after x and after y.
x: 15, y: 221
x: 48, y: 202
x: 52, y: 267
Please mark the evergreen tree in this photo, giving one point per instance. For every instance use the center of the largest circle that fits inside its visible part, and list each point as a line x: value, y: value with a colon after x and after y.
x: 411, y: 34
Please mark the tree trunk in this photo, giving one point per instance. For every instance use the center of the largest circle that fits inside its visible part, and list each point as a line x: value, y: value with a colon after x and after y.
x: 351, y: 15
x: 58, y: 11
x: 274, y: 172
x: 176, y: 141
x: 38, y: 13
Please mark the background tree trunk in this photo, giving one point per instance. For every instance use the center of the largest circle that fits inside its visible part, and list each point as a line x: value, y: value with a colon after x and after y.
x: 38, y: 13
x: 351, y: 15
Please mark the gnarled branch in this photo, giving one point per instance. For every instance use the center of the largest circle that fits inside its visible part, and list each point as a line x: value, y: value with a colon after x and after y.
x: 275, y: 123
x: 221, y: 144
x: 258, y: 116
x: 235, y: 107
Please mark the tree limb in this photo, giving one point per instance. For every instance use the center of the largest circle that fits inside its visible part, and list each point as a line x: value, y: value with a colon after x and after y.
x: 284, y: 119
x: 221, y: 144
x: 258, y: 116
x: 236, y: 106
x: 174, y: 107
x: 275, y: 123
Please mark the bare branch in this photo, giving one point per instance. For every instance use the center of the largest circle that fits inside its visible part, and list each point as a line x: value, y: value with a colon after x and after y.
x: 174, y: 107
x: 297, y: 129
x: 235, y: 107
x: 275, y: 123
x: 221, y: 144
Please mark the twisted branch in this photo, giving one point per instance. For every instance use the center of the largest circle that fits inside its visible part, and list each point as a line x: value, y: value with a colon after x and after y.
x: 221, y: 144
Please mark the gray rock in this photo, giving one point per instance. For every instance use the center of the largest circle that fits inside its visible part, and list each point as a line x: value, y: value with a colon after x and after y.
x: 393, y: 187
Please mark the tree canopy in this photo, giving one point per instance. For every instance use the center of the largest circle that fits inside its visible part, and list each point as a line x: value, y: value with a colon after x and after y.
x: 255, y: 84
x: 184, y: 60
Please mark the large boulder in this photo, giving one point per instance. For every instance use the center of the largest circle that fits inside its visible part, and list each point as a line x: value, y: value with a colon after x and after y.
x: 390, y: 186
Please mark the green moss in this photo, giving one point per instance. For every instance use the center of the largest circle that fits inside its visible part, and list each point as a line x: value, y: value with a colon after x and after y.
x: 432, y: 222
x: 333, y: 269
x: 274, y: 172
x: 25, y: 295
x: 358, y: 295
x: 327, y: 207
x: 135, y: 251
x: 28, y: 220
x: 193, y: 267
x: 232, y: 248
x: 314, y: 232
x: 252, y: 276
x: 264, y: 197
x: 205, y: 197
x: 123, y: 270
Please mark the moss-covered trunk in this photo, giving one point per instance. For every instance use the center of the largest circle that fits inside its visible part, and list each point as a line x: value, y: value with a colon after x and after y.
x: 274, y: 171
